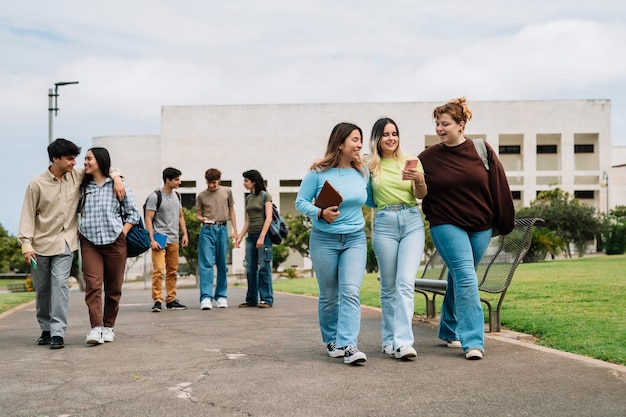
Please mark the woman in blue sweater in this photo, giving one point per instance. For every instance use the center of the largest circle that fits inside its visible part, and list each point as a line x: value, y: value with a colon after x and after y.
x: 337, y: 245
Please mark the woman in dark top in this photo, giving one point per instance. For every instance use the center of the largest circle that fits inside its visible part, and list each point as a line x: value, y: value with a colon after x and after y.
x: 458, y: 207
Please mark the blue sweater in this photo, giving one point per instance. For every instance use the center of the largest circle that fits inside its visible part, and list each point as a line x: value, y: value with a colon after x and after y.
x: 353, y: 188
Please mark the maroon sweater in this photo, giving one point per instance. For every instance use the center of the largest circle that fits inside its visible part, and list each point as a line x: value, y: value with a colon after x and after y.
x: 458, y: 186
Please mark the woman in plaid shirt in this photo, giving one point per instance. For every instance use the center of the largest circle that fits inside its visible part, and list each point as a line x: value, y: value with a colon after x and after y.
x: 104, y: 223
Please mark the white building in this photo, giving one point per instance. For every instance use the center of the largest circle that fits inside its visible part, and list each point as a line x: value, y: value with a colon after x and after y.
x: 542, y: 144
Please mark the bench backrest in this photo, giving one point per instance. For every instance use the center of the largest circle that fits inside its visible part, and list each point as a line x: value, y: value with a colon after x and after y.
x: 500, y: 261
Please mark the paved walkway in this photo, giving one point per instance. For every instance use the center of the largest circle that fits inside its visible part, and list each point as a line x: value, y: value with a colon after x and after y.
x: 270, y: 362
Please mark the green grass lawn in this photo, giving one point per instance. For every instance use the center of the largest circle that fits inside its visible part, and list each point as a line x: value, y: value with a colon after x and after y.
x: 574, y: 305
x: 13, y: 299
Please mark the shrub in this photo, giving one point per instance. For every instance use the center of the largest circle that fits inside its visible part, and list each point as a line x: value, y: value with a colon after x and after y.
x: 615, y: 241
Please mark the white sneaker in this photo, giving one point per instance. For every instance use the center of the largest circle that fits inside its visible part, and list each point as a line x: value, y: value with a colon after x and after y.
x: 353, y: 355
x: 221, y: 303
x: 334, y: 351
x: 107, y: 334
x: 94, y: 337
x: 474, y: 354
x: 405, y: 352
x: 454, y: 344
x: 206, y: 304
x: 388, y: 349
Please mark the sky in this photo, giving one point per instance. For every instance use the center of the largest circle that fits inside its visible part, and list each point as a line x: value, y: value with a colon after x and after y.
x: 132, y: 57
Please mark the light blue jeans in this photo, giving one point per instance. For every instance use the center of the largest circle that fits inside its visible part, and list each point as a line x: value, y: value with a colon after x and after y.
x: 212, y: 251
x: 461, y: 312
x: 399, y: 244
x: 339, y: 262
x: 259, y: 270
x: 52, y: 291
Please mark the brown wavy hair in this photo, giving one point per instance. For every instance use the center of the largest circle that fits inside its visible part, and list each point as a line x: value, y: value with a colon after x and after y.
x: 337, y: 137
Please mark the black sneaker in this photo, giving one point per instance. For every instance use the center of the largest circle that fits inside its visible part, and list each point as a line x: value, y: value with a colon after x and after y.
x: 175, y: 305
x: 44, y: 339
x: 353, y: 355
x: 57, y: 342
x: 156, y: 308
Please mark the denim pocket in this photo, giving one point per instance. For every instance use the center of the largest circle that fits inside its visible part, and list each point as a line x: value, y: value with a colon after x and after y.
x: 267, y: 254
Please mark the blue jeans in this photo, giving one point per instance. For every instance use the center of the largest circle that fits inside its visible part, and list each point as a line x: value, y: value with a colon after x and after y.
x: 212, y: 251
x: 52, y: 291
x: 259, y: 270
x: 461, y: 312
x: 399, y: 244
x: 339, y: 262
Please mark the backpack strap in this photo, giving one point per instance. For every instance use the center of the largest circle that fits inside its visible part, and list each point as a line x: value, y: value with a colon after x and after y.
x: 481, y: 148
x: 159, y: 195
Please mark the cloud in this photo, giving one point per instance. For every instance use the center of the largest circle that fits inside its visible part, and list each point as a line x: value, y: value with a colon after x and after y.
x: 133, y: 57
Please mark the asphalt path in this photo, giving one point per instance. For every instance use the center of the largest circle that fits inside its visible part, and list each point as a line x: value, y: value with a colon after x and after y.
x: 271, y: 362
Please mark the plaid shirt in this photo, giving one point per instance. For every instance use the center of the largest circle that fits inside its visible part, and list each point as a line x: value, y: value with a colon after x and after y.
x: 101, y: 218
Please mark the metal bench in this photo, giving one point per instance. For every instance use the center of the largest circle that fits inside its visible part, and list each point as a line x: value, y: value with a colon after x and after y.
x: 494, y: 272
x: 17, y: 287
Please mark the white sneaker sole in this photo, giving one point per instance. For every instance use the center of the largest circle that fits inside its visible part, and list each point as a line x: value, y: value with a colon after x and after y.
x: 337, y: 353
x: 407, y: 353
x: 354, y: 359
x: 454, y: 344
x: 474, y: 355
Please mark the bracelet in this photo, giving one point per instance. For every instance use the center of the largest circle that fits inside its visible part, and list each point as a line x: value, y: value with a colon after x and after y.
x: 320, y: 216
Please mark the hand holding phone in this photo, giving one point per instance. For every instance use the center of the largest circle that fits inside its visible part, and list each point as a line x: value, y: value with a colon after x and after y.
x: 33, y: 262
x: 408, y: 165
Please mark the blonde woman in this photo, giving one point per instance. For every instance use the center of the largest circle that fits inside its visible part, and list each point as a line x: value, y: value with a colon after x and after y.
x: 398, y: 239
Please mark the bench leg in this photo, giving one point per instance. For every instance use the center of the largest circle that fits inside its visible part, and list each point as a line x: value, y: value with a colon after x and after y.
x: 494, y: 321
x: 430, y: 308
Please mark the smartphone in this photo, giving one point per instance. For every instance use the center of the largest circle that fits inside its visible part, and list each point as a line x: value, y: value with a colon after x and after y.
x: 409, y: 164
x: 33, y: 262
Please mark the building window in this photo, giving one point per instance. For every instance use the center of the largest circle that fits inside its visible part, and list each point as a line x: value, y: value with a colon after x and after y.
x: 517, y: 195
x: 584, y: 194
x: 226, y: 183
x: 583, y: 148
x: 290, y: 183
x: 188, y: 200
x: 187, y: 184
x: 546, y: 148
x: 509, y: 149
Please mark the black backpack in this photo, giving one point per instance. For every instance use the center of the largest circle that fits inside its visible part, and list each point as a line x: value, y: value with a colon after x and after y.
x: 159, y: 195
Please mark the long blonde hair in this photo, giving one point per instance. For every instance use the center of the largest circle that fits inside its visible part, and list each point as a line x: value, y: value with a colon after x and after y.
x: 373, y: 159
x: 337, y: 137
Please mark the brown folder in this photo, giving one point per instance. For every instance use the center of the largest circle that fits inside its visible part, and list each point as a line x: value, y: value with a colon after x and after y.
x: 329, y: 196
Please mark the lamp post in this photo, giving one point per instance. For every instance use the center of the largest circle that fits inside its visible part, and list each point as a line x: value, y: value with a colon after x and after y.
x: 605, y: 178
x: 53, y: 104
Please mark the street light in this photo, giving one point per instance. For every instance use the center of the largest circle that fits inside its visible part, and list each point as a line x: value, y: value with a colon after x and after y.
x: 52, y: 104
x: 605, y: 178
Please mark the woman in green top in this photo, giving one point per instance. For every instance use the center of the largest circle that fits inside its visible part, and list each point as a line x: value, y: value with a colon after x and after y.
x: 398, y: 239
x: 258, y: 243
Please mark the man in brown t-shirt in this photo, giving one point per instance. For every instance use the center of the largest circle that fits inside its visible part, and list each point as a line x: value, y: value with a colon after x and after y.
x: 214, y: 207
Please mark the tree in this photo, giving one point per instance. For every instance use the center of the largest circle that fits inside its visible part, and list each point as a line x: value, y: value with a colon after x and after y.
x: 573, y: 222
x: 193, y: 232
x: 11, y: 259
x: 279, y: 254
x: 299, y: 233
x: 614, y: 231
